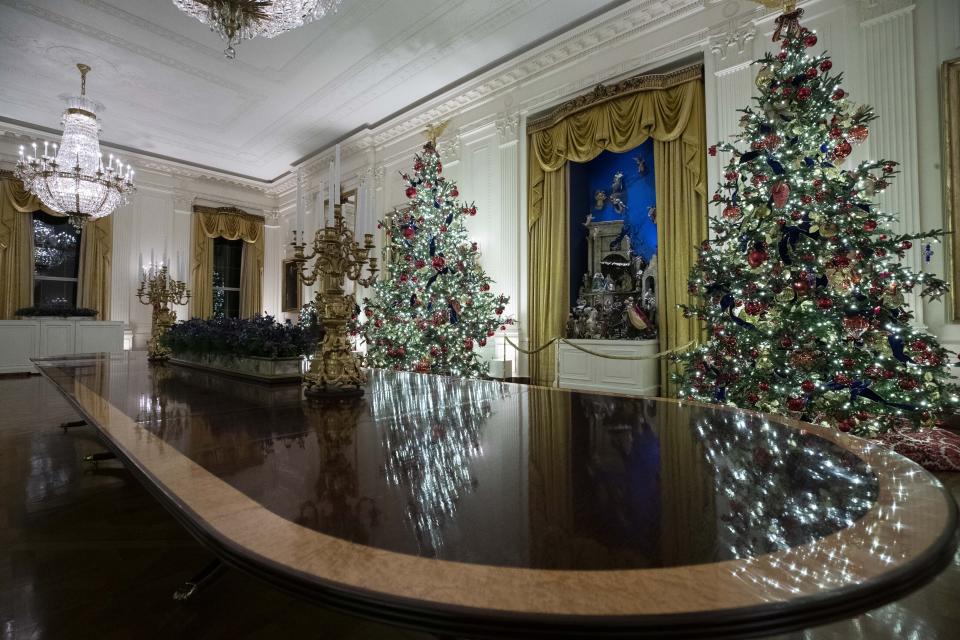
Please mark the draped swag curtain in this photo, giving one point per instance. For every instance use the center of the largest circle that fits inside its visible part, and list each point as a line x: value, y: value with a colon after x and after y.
x: 232, y: 224
x: 16, y: 254
x: 668, y: 108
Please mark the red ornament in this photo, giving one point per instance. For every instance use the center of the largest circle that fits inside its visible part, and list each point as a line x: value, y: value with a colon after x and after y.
x: 712, y: 150
x: 842, y: 379
x: 752, y: 398
x: 869, y: 225
x: 756, y: 258
x: 824, y: 303
x: 716, y: 197
x: 763, y: 385
x: 420, y: 264
x: 811, y: 72
x: 906, y: 244
x: 842, y: 150
x: 482, y: 342
x: 780, y: 192
x: 803, y: 93
x: 810, y: 40
x: 468, y: 344
x: 786, y: 342
x: 839, y: 94
x: 826, y: 65
x: 888, y: 168
x: 439, y: 167
x: 411, y: 192
x: 844, y: 426
x: 782, y: 55
x: 378, y: 323
x: 858, y: 133
x: 454, y: 193
x: 438, y: 262
x: 796, y: 404
x: 408, y: 232
x: 485, y: 287
x: 808, y: 386
x: 473, y: 211
x: 731, y: 212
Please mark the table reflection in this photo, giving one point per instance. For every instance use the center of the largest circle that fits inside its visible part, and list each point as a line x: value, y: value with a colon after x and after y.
x: 500, y: 474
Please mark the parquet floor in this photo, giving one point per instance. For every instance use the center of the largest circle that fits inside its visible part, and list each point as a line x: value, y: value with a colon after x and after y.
x: 92, y: 555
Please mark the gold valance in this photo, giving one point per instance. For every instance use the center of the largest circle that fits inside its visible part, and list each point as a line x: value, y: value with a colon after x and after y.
x: 230, y: 223
x: 666, y: 107
x: 606, y: 92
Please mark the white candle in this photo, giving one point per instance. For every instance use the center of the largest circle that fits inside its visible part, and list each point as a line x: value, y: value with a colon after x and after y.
x: 336, y: 173
x: 319, y: 211
x: 331, y: 186
x: 140, y: 266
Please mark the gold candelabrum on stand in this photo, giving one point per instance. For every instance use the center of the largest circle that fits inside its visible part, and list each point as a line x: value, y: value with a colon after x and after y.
x: 335, y: 370
x: 159, y: 290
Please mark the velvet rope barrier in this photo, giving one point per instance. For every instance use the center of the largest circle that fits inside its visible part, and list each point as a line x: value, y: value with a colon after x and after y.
x: 597, y: 353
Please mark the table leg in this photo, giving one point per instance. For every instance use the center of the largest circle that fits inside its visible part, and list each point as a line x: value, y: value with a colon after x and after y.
x: 207, y: 575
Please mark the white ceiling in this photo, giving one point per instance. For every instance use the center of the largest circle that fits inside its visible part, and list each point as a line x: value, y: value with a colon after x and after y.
x: 169, y: 91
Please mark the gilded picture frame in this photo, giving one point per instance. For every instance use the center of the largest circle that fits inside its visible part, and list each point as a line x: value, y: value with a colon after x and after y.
x: 291, y: 297
x: 950, y: 136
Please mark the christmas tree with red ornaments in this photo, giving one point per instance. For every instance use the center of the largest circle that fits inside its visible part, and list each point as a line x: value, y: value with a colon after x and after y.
x: 434, y: 309
x: 802, y: 285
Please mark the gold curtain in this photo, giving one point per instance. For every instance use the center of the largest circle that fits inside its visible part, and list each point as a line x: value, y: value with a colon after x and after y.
x: 551, y: 500
x: 232, y: 224
x: 668, y: 108
x: 96, y: 251
x: 16, y: 245
x: 686, y: 487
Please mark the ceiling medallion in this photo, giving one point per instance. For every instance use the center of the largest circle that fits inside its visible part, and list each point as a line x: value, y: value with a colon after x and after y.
x: 73, y: 180
x: 237, y: 20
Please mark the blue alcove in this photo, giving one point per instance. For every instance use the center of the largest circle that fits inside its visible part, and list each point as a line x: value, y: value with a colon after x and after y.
x: 638, y: 195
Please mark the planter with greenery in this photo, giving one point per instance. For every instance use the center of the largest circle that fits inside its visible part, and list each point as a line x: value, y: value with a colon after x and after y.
x: 55, y: 311
x: 257, y: 347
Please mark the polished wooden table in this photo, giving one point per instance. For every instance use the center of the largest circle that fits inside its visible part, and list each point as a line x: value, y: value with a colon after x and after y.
x: 484, y: 509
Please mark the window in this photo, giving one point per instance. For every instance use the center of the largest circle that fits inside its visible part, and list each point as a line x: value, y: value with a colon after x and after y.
x: 227, y: 260
x: 56, y: 260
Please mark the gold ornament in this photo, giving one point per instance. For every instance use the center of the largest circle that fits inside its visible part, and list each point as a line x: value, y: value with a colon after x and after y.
x: 829, y: 229
x: 764, y: 77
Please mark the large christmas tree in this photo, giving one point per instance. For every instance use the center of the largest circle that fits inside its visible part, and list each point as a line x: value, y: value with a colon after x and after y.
x: 434, y: 307
x: 802, y: 287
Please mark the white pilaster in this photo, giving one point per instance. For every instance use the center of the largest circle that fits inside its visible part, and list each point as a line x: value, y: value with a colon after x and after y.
x: 891, y: 85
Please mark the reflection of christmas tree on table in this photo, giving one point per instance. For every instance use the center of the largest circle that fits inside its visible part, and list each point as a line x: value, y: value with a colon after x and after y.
x: 802, y: 288
x: 435, y: 305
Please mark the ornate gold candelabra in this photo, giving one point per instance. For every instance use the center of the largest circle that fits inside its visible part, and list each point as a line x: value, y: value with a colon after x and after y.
x: 159, y: 290
x: 335, y: 369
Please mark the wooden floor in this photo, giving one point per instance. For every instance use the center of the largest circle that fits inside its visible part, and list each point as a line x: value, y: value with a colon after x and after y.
x: 88, y: 554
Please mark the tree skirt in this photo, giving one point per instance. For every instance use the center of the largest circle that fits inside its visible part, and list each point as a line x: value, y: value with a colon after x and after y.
x: 934, y: 449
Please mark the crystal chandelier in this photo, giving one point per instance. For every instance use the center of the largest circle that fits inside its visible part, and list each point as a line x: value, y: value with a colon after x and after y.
x: 237, y: 20
x: 73, y: 179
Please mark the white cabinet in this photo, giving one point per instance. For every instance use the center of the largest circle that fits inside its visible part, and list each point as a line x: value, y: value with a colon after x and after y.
x: 577, y: 369
x: 21, y: 340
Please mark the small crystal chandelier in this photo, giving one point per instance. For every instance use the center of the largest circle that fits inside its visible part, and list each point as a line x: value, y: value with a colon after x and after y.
x: 237, y: 20
x: 73, y: 179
